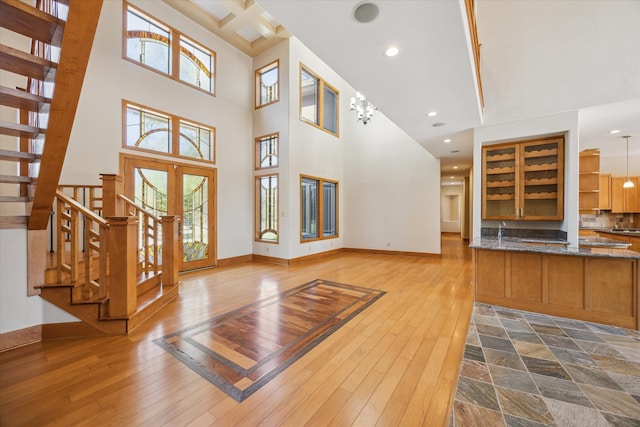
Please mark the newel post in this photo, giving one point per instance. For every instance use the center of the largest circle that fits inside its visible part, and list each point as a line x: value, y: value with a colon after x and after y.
x: 112, y: 185
x: 123, y: 253
x: 170, y: 249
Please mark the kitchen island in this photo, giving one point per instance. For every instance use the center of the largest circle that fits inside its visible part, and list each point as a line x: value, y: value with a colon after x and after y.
x: 595, y: 283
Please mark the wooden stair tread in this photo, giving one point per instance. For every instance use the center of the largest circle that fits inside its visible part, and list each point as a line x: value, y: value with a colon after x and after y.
x: 15, y: 179
x: 18, y: 130
x: 17, y: 98
x: 14, y: 156
x: 29, y: 21
x: 26, y: 64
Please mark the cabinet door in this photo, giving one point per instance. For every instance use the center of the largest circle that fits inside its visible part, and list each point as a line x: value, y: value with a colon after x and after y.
x: 499, y: 189
x: 630, y: 196
x: 617, y: 199
x: 542, y: 178
x: 605, y: 192
x: 625, y: 200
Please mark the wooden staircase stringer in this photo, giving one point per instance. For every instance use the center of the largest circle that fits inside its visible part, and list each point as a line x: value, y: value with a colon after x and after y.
x: 77, y: 41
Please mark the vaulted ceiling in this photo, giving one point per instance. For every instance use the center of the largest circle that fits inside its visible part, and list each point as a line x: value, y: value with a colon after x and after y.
x: 538, y: 57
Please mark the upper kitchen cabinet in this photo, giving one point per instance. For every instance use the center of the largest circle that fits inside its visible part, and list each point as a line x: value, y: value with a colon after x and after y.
x: 625, y: 200
x: 523, y: 180
x: 589, y: 184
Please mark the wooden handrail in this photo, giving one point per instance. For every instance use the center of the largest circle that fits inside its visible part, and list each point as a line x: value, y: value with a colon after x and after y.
x: 139, y: 208
x: 94, y: 236
x: 150, y: 235
x: 79, y: 207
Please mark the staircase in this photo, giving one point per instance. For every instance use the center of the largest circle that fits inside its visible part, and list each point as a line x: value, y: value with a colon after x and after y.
x: 97, y: 274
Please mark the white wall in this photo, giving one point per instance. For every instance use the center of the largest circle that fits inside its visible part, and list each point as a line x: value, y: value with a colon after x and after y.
x: 267, y: 120
x: 617, y: 166
x: 564, y: 123
x: 96, y: 139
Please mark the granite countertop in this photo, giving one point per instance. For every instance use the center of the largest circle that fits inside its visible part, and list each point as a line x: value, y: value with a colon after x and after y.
x: 633, y: 232
x: 602, y: 242
x: 557, y: 247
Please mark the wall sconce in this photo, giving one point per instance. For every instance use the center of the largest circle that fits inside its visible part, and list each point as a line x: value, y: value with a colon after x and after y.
x: 364, y: 109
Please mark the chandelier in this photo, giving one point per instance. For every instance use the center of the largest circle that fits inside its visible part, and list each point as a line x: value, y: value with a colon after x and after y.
x: 364, y: 109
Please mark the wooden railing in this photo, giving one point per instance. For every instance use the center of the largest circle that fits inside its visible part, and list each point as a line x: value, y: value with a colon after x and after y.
x: 99, y: 223
x: 149, y: 235
x: 77, y: 228
x: 470, y: 6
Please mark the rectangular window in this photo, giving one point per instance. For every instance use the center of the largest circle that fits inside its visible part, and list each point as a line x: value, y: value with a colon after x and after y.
x: 267, y: 151
x: 308, y: 97
x: 148, y: 130
x: 151, y: 130
x: 267, y: 208
x: 267, y: 85
x: 319, y: 102
x: 148, y: 41
x: 318, y: 209
x: 196, y: 141
x: 196, y: 65
x: 166, y: 50
x: 329, y: 201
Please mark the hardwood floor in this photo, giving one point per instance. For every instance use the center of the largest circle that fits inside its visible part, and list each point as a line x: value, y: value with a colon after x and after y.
x: 395, y: 363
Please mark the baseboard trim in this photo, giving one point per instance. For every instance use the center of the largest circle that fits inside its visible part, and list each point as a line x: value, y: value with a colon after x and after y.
x: 52, y: 331
x: 315, y: 257
x: 235, y: 260
x: 396, y: 253
x: 270, y: 259
x: 20, y: 338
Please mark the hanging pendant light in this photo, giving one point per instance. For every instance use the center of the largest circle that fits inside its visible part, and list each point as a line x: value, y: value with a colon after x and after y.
x: 628, y: 183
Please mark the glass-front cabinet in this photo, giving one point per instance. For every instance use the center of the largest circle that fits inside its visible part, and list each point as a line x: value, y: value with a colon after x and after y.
x: 523, y: 180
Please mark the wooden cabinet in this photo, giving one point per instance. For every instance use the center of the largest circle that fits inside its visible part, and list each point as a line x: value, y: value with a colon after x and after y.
x: 589, y: 181
x: 524, y: 180
x: 605, y: 192
x: 595, y: 289
x: 625, y: 200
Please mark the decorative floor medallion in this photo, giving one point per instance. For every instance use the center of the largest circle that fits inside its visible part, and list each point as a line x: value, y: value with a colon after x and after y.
x: 242, y: 350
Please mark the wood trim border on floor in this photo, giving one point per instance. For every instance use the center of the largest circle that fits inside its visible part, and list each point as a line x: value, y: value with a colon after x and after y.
x: 20, y: 337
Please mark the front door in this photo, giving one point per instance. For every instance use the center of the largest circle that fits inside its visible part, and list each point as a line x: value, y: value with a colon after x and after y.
x: 166, y: 188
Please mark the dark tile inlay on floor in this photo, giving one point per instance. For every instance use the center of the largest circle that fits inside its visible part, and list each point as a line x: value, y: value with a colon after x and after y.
x: 546, y: 371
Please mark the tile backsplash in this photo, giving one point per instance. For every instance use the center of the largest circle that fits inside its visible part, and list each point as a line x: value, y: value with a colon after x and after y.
x: 607, y: 220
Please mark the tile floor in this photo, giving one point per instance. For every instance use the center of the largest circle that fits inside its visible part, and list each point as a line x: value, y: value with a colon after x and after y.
x: 526, y: 369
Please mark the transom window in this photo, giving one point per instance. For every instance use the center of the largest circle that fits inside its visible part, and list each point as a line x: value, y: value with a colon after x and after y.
x: 158, y: 46
x: 151, y: 130
x: 267, y: 151
x: 318, y: 209
x: 267, y: 85
x: 267, y: 208
x: 319, y: 102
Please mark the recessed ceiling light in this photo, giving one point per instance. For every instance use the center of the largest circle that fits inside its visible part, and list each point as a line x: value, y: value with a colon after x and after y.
x: 611, y: 132
x: 438, y: 124
x: 455, y: 167
x: 391, y: 51
x: 447, y: 140
x: 365, y: 12
x: 432, y: 113
x: 451, y: 177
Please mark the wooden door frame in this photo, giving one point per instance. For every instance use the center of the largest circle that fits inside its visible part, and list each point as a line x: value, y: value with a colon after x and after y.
x: 172, y: 206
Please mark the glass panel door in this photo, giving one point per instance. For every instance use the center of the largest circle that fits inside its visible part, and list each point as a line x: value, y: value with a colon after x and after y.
x: 196, y: 212
x: 168, y: 189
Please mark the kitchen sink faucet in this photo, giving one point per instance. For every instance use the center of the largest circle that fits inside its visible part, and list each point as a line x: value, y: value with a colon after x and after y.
x: 501, y: 230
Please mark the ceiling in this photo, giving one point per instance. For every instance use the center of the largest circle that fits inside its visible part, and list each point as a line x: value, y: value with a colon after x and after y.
x: 538, y: 57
